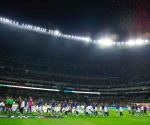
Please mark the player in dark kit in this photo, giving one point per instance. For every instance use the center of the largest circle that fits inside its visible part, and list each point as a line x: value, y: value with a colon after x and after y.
x: 133, y: 109
x: 19, y: 101
x: 145, y: 110
x: 40, y: 105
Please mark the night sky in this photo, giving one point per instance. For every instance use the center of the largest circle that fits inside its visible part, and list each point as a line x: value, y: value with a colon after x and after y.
x: 82, y: 17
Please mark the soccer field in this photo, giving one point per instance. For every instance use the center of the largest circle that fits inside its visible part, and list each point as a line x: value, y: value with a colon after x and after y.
x: 80, y: 120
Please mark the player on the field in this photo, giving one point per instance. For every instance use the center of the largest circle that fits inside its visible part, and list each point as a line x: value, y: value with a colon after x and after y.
x: 101, y: 110
x: 139, y: 111
x: 9, y: 103
x: 117, y: 110
x: 65, y: 107
x: 136, y: 110
x: 19, y: 100
x: 53, y: 105
x: 145, y: 110
x: 22, y: 106
x: 2, y: 105
x: 40, y: 105
x: 121, y: 110
x: 6, y: 104
x: 85, y: 109
x: 133, y: 110
x: 94, y: 109
x: 74, y: 108
x: 106, y: 113
x: 25, y: 105
x: 142, y: 109
x: 103, y: 106
x: 129, y: 109
x: 77, y: 110
x: 30, y: 104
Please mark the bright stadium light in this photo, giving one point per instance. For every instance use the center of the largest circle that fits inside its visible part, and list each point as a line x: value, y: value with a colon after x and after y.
x: 106, y: 42
x: 139, y: 42
x: 131, y: 42
x: 120, y: 43
x: 57, y: 33
x: 87, y: 39
x: 136, y: 42
x: 146, y: 41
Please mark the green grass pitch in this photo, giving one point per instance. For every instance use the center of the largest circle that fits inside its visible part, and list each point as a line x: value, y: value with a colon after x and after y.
x: 113, y: 119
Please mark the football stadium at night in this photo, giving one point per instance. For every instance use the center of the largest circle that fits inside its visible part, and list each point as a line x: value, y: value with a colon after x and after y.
x: 75, y: 63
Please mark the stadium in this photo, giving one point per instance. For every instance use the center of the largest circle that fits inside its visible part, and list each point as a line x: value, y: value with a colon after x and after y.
x: 49, y: 77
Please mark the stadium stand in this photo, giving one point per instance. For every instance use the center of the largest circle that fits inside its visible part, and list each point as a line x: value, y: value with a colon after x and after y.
x: 36, y: 60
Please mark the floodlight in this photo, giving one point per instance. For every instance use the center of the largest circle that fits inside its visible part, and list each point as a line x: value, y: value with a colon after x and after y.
x: 118, y: 43
x: 57, y: 33
x: 139, y: 42
x: 106, y: 42
x: 87, y: 39
x: 136, y: 42
x: 131, y: 43
x: 146, y: 41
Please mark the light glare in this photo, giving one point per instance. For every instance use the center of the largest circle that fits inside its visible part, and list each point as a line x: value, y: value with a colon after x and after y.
x: 57, y: 33
x: 131, y: 43
x: 105, y: 42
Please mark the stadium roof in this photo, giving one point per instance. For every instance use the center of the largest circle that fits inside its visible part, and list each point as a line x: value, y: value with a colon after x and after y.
x: 123, y: 18
x: 103, y: 41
